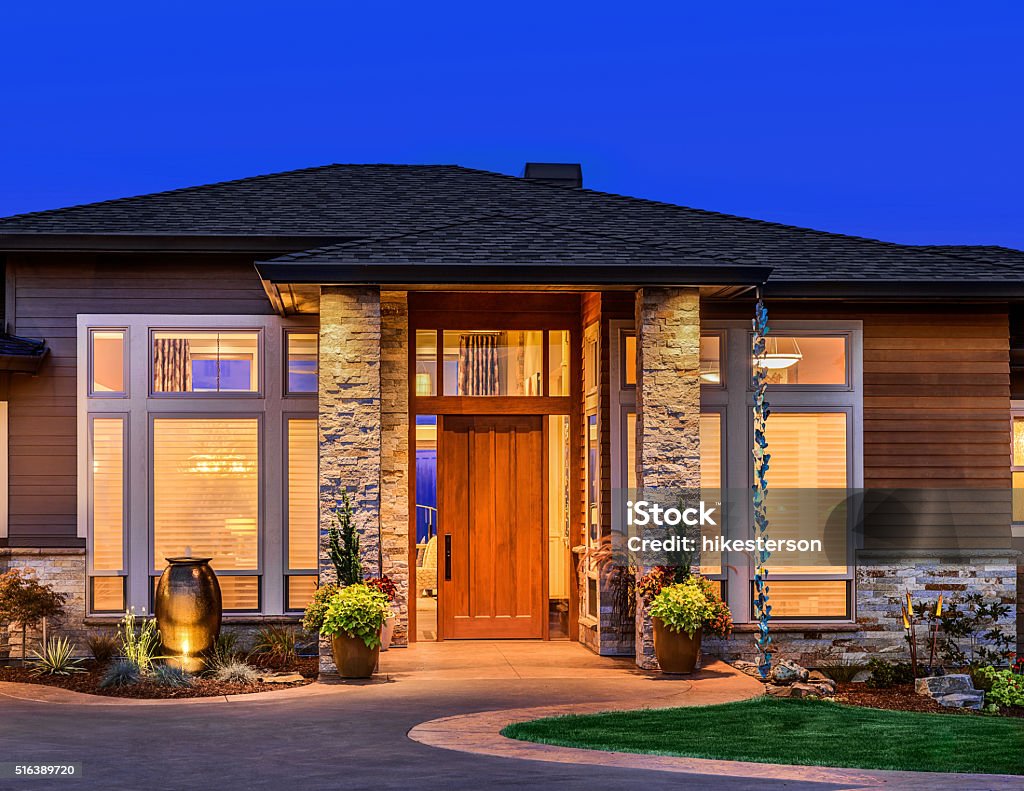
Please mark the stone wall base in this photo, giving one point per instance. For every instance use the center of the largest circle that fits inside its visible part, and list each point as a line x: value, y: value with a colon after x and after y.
x: 64, y: 569
x: 881, y: 587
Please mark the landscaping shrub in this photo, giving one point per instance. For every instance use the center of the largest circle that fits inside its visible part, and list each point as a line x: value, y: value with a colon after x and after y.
x: 236, y: 672
x: 1006, y: 688
x: 57, y: 658
x: 224, y: 650
x: 275, y: 646
x: 121, y: 673
x: 26, y: 601
x: 889, y: 674
x: 357, y: 611
x: 972, y: 632
x: 171, y: 676
x: 313, y: 618
x: 104, y: 646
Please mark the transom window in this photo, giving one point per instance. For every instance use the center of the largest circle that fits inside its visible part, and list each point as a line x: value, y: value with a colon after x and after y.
x: 205, y: 362
x: 492, y: 363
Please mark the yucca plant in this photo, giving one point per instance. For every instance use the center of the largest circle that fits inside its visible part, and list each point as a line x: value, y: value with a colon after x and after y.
x: 57, y: 658
x: 139, y: 644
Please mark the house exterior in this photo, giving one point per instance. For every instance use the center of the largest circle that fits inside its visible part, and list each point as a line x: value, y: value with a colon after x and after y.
x: 485, y: 363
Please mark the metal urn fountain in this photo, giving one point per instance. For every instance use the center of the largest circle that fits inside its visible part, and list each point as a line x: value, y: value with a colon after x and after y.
x: 188, y: 611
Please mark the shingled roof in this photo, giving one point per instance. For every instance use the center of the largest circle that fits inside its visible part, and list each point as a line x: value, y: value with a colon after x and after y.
x: 359, y: 204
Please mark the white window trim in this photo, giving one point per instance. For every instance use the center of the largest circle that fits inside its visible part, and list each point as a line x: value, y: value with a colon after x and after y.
x: 4, y: 470
x: 270, y: 405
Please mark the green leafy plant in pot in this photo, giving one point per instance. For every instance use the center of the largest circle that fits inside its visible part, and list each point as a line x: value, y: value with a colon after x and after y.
x: 681, y: 613
x: 353, y: 620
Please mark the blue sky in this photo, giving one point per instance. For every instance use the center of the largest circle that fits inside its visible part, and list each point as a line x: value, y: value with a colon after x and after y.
x: 897, y: 120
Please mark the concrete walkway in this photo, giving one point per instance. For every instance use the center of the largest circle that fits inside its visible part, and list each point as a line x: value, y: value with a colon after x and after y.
x: 354, y: 735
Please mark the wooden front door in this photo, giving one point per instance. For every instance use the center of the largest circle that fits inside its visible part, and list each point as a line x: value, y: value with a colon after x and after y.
x: 491, y: 527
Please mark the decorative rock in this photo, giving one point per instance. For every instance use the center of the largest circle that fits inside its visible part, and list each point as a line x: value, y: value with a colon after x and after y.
x: 750, y: 668
x: 934, y: 686
x: 777, y: 691
x: 281, y: 678
x: 818, y: 690
x: 962, y: 700
x: 787, y: 671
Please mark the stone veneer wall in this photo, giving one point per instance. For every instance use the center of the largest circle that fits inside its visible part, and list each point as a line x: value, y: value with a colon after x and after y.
x: 882, y: 581
x: 668, y: 407
x: 394, y: 473
x: 350, y: 421
x: 64, y: 569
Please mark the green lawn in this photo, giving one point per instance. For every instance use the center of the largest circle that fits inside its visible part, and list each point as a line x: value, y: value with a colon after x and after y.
x: 808, y: 732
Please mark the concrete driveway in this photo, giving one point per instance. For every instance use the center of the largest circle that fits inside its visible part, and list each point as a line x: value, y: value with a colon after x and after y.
x: 352, y: 735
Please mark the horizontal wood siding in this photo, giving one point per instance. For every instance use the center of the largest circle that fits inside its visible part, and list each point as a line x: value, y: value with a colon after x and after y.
x: 49, y: 293
x: 936, y: 418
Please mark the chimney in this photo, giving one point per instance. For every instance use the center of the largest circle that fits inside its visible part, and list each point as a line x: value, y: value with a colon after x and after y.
x: 558, y: 174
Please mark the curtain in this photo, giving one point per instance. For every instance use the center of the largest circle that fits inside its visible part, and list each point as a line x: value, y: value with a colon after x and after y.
x: 172, y: 368
x: 478, y: 364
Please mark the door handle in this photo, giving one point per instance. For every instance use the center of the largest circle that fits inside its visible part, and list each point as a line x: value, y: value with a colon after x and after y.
x: 447, y: 557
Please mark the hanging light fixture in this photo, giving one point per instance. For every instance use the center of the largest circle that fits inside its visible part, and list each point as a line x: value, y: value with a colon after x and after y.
x: 781, y: 353
x: 709, y: 372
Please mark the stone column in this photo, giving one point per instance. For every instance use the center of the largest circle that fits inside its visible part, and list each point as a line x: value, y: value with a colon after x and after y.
x: 350, y: 421
x: 668, y: 407
x: 394, y: 473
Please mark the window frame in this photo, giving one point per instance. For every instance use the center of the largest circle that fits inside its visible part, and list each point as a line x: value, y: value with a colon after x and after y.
x: 91, y: 572
x: 140, y: 408
x: 261, y: 339
x: 288, y: 570
x: 4, y: 469
x: 733, y: 399
x: 125, y: 379
x: 286, y: 360
x: 1016, y: 411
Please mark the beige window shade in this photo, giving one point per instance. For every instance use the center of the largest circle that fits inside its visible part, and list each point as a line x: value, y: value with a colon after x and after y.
x: 809, y: 598
x: 711, y: 482
x: 303, y: 494
x: 206, y: 491
x: 808, y: 487
x: 108, y: 494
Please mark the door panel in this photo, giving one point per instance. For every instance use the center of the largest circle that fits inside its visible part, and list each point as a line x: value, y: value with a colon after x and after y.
x: 492, y: 505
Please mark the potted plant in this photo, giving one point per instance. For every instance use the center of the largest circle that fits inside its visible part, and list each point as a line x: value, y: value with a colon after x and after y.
x: 353, y: 620
x: 385, y: 585
x: 681, y: 613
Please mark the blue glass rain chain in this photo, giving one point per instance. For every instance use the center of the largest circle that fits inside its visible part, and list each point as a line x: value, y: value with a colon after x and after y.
x: 762, y: 609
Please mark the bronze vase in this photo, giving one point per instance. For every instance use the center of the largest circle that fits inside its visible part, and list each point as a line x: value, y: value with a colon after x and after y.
x: 188, y: 611
x: 352, y: 658
x: 677, y: 652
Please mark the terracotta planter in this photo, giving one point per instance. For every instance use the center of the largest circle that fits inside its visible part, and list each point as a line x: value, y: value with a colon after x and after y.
x: 677, y: 652
x: 187, y: 605
x: 386, y: 632
x: 352, y: 658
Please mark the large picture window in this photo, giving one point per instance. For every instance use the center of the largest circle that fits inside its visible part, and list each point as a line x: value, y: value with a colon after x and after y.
x: 223, y: 463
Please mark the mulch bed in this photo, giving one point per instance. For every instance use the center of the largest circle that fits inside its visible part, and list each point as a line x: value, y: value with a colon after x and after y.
x: 89, y: 682
x: 899, y: 698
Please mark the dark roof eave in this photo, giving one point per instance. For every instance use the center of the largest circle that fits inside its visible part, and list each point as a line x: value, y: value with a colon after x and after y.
x: 506, y: 274
x: 22, y: 363
x: 902, y: 289
x: 146, y: 243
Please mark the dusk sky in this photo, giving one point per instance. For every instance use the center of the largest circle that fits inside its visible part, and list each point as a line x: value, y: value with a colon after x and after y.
x: 896, y: 120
